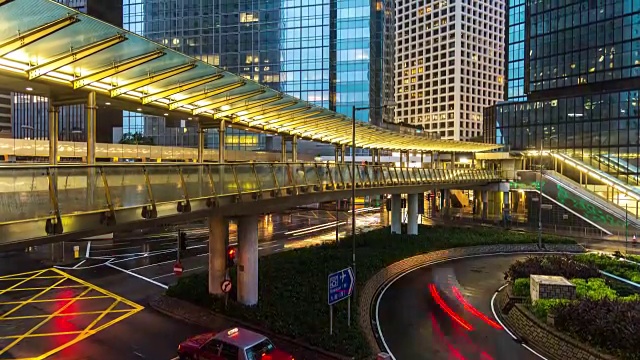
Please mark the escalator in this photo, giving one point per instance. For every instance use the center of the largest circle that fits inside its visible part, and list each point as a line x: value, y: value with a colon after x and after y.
x: 577, y: 200
x: 619, y: 166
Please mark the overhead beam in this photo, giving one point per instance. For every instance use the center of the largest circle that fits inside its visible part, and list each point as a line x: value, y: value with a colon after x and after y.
x: 33, y: 35
x: 310, y: 130
x: 311, y: 124
x: 246, y: 106
x: 217, y: 103
x: 2, y: 2
x: 281, y: 114
x: 116, y: 68
x: 73, y: 56
x: 281, y: 122
x: 205, y: 94
x: 300, y: 120
x: 180, y: 88
x: 258, y: 109
x: 150, y: 79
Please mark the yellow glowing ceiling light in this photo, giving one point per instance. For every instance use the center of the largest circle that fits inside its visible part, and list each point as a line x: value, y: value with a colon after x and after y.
x: 226, y: 100
x: 73, y: 56
x: 313, y: 125
x: 265, y: 116
x: 246, y: 106
x: 329, y: 129
x: 180, y: 88
x: 277, y: 122
x: 33, y: 35
x: 150, y: 79
x: 204, y: 94
x: 116, y: 68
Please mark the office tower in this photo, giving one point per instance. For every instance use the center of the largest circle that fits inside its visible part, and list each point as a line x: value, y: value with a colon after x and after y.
x: 581, y: 74
x: 30, y: 113
x: 328, y: 52
x: 449, y: 64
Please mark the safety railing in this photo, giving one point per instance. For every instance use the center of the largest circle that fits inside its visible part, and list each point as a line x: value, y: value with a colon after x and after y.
x: 48, y: 193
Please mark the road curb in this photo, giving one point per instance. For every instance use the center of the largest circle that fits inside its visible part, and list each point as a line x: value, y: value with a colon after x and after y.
x: 187, y: 312
x: 373, y: 286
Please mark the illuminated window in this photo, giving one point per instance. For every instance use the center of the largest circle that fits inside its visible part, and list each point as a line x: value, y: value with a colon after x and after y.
x: 248, y: 17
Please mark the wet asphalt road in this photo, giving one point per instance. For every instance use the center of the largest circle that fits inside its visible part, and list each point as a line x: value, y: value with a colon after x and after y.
x: 415, y: 325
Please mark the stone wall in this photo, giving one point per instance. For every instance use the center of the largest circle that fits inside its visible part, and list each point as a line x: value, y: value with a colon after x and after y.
x: 369, y: 293
x: 540, y: 336
x: 551, y: 287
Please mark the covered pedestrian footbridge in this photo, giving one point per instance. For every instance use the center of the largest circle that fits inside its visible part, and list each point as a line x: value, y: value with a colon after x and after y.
x: 54, y: 51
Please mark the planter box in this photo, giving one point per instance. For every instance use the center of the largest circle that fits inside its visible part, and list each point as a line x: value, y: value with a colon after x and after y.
x: 551, y: 287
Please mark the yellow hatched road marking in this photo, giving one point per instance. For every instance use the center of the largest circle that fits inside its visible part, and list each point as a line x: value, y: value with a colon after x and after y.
x: 94, y: 322
x: 31, y: 299
x: 33, y: 329
x: 56, y: 287
x: 65, y: 314
x: 24, y: 278
x: 41, y: 335
x: 22, y: 282
x: 19, y: 276
x: 61, y: 299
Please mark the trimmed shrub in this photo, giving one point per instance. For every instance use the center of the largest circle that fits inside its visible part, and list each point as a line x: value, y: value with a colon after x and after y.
x: 610, y: 325
x: 551, y: 265
x: 542, y: 307
x: 619, y: 268
x: 521, y: 287
x: 593, y: 289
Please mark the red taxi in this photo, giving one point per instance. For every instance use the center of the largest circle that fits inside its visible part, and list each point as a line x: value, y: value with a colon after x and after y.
x: 232, y: 344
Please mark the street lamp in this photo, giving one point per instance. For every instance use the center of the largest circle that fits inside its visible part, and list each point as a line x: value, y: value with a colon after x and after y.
x: 353, y: 175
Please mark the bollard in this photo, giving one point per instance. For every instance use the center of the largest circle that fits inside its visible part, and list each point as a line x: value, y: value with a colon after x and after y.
x: 76, y: 252
x: 383, y: 356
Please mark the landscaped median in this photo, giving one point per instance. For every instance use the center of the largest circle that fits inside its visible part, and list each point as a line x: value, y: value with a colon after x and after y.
x: 601, y: 320
x: 293, y: 284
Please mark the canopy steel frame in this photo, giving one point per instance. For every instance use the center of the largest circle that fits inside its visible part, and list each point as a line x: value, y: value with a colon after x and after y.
x: 180, y: 88
x: 150, y: 79
x: 65, y: 59
x: 249, y: 105
x: 218, y: 102
x: 33, y: 35
x: 205, y: 94
x: 116, y: 68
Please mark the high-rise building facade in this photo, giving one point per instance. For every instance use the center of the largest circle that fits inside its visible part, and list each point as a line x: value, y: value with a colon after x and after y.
x: 28, y: 116
x: 581, y: 82
x: 449, y: 64
x: 328, y: 52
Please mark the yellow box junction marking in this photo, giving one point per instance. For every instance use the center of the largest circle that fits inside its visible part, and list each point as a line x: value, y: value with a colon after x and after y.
x: 58, y: 278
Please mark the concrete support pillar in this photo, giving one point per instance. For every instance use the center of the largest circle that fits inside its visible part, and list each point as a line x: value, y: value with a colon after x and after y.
x: 485, y: 204
x: 53, y: 134
x: 91, y: 128
x: 379, y: 152
x: 446, y: 211
x: 283, y: 150
x: 412, y: 214
x: 453, y: 161
x: 337, y: 155
x: 434, y: 203
x: 222, y: 142
x: 342, y: 153
x: 408, y: 158
x: 218, y: 239
x: 506, y: 212
x: 373, y: 155
x: 422, y: 159
x: 396, y: 214
x: 294, y: 148
x: 248, y: 260
x: 200, y: 143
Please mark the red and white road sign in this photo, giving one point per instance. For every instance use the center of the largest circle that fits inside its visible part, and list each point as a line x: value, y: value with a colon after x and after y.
x: 178, y: 269
x: 226, y: 286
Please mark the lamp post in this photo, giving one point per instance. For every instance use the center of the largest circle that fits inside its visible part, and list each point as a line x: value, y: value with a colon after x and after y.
x: 540, y: 200
x: 353, y: 178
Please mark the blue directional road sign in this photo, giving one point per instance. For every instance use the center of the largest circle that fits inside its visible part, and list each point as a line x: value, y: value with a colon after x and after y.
x: 340, y: 285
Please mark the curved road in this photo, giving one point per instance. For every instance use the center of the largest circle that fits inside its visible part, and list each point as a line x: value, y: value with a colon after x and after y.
x: 444, y: 312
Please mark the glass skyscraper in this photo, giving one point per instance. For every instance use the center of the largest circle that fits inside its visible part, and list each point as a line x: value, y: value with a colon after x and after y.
x: 327, y: 52
x: 581, y: 73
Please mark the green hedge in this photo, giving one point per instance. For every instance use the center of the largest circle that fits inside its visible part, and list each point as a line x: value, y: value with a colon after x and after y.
x: 522, y: 287
x: 606, y: 263
x: 542, y: 307
x: 293, y: 299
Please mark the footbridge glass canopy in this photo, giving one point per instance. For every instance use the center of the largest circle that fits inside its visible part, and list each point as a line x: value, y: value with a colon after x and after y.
x: 61, y: 53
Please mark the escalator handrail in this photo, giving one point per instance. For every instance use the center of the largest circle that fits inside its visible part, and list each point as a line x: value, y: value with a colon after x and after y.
x: 603, y: 174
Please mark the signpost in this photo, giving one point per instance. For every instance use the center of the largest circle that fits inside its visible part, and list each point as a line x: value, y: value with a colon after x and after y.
x: 225, y: 286
x: 340, y: 287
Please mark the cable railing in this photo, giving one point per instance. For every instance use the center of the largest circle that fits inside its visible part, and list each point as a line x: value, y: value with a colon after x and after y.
x: 58, y: 197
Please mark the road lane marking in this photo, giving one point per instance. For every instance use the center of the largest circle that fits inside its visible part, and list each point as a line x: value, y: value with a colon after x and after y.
x: 388, y: 285
x: 193, y: 269
x: 78, y: 264
x: 139, y: 276
x: 21, y: 282
x: 34, y: 297
x: 495, y: 315
x: 88, y: 250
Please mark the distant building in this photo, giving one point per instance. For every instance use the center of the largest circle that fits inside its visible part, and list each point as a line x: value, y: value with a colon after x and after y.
x: 449, y: 63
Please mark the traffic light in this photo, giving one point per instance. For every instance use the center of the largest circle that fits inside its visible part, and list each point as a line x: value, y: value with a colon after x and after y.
x: 182, y: 239
x: 231, y: 256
